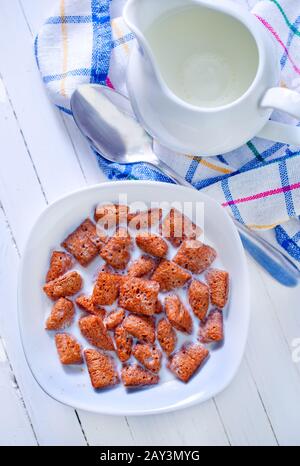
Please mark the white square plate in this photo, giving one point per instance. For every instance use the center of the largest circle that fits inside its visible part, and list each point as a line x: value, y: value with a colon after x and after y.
x: 72, y: 385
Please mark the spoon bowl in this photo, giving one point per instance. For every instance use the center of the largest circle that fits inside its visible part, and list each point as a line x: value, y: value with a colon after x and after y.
x: 106, y: 119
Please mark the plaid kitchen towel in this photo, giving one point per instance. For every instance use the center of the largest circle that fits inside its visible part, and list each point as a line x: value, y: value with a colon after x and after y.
x: 86, y: 41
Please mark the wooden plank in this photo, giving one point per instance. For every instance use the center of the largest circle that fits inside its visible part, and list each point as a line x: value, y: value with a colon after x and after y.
x: 15, y: 427
x: 270, y: 359
x: 53, y: 423
x: 287, y: 314
x: 20, y: 190
x: 50, y: 150
x: 86, y: 157
x: 35, y: 13
x: 243, y: 413
x: 196, y: 426
x: 106, y: 430
x: 200, y: 425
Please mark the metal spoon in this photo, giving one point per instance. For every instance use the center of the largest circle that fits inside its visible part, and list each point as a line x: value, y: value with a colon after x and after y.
x: 106, y: 119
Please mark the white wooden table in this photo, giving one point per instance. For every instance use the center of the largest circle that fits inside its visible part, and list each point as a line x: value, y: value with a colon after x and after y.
x: 43, y: 157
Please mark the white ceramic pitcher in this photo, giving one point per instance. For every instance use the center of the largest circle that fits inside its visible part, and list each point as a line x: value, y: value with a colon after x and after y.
x: 204, y: 76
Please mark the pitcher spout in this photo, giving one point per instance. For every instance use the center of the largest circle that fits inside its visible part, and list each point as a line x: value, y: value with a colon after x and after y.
x: 140, y: 14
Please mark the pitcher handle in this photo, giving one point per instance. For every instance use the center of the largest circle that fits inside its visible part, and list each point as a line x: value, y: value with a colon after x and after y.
x: 287, y: 101
x: 282, y: 99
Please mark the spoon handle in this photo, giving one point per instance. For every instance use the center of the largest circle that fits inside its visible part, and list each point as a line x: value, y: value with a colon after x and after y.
x: 271, y: 259
x: 277, y: 264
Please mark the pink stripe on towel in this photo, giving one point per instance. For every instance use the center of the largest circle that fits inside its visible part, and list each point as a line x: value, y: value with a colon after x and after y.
x: 272, y: 192
x: 109, y: 83
x: 270, y: 28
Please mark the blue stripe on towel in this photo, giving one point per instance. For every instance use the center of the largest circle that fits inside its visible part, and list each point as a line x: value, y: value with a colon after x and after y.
x: 69, y: 19
x: 122, y: 40
x: 222, y: 160
x: 289, y: 42
x: 64, y: 109
x: 228, y: 197
x: 192, y: 170
x: 284, y: 177
x: 58, y: 77
x: 102, y: 39
x: 296, y: 237
x: 287, y: 243
x: 36, y: 49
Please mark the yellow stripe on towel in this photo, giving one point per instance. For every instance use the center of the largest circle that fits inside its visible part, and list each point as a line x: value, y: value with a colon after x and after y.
x: 262, y: 227
x: 119, y: 34
x: 210, y: 165
x: 207, y: 164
